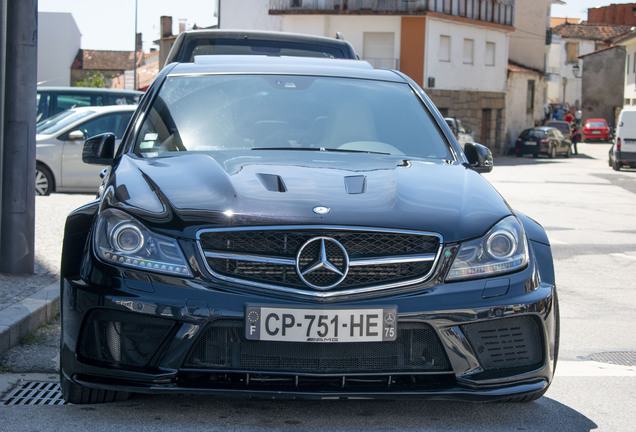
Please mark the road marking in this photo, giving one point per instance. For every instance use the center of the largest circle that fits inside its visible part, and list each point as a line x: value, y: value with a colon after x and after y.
x: 588, y: 368
x: 624, y: 255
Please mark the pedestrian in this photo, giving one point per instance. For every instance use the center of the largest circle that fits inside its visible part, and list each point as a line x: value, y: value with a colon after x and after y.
x: 577, y: 116
x: 575, y: 139
x: 569, y: 117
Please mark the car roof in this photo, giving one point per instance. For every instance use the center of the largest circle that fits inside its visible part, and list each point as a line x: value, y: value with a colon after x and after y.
x: 186, y: 38
x: 103, y: 108
x: 260, y: 34
x: 88, y: 90
x: 257, y: 64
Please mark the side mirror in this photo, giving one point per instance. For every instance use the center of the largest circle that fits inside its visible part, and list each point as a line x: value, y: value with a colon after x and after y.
x: 76, y: 135
x: 479, y: 157
x: 99, y: 150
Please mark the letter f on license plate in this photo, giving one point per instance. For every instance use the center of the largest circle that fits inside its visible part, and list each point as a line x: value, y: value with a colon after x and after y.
x: 320, y: 325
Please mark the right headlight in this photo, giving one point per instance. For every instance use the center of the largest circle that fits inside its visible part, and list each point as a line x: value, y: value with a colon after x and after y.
x: 503, y: 249
x: 122, y: 240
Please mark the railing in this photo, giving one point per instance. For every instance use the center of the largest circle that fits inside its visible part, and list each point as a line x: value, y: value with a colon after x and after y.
x: 495, y: 11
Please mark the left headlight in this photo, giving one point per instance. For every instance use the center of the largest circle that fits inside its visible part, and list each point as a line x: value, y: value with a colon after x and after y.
x: 502, y: 250
x: 121, y: 239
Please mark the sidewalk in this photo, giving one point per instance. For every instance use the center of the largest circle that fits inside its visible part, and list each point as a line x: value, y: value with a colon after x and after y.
x: 29, y: 300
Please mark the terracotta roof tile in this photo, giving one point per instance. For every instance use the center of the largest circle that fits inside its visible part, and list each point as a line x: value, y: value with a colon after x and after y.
x: 595, y: 32
x: 105, y: 60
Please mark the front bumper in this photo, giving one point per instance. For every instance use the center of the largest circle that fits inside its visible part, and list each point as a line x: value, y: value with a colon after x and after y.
x: 477, y: 340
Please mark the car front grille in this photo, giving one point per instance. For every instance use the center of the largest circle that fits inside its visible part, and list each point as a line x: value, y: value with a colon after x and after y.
x: 222, y: 346
x: 271, y: 257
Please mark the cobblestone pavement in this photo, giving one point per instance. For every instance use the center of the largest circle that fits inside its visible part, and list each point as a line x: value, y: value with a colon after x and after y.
x: 50, y: 215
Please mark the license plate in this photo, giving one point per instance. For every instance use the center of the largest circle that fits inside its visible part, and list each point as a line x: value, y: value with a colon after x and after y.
x: 320, y: 325
x: 596, y: 132
x: 531, y: 143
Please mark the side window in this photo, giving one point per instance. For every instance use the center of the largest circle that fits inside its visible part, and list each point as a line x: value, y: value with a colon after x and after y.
x: 113, y: 122
x: 69, y: 100
x: 43, y: 99
x: 121, y: 99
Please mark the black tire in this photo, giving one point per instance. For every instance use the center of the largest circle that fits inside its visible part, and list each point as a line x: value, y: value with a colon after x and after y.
x: 553, y: 152
x: 78, y: 394
x: 44, y: 182
x: 568, y: 153
x: 616, y: 166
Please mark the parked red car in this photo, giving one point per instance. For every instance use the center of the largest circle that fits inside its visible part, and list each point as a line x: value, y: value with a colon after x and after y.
x: 596, y: 130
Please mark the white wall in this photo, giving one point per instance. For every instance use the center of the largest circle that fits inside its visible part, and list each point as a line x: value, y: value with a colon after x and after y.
x: 517, y: 116
x: 630, y: 72
x: 455, y: 74
x: 59, y: 40
x: 248, y: 15
x: 351, y: 27
x: 558, y: 69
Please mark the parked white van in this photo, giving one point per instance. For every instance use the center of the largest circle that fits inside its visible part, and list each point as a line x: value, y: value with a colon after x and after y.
x: 623, y: 151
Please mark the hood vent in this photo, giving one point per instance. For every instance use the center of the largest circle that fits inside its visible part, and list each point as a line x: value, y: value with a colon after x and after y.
x: 272, y: 182
x: 356, y: 184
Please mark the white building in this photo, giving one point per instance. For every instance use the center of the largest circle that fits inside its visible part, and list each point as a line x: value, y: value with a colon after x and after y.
x: 569, y: 41
x: 59, y: 41
x: 629, y: 42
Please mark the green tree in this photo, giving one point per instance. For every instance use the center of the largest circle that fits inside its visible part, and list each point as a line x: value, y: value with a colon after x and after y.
x: 96, y: 79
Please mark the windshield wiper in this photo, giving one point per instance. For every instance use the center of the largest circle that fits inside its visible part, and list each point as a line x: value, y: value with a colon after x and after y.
x: 321, y: 149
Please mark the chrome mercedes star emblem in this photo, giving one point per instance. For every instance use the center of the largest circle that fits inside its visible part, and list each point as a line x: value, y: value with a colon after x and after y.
x: 321, y: 210
x: 322, y: 263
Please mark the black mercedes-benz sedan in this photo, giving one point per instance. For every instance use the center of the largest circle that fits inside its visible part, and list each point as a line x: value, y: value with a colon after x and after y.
x: 301, y: 228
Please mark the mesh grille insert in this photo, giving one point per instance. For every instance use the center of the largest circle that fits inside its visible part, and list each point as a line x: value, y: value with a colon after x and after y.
x: 222, y: 346
x: 506, y: 343
x: 122, y: 338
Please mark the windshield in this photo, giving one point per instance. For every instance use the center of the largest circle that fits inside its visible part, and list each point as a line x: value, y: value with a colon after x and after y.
x: 59, y: 121
x: 268, y: 112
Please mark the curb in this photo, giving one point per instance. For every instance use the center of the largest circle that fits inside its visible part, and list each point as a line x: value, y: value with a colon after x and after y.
x: 28, y: 315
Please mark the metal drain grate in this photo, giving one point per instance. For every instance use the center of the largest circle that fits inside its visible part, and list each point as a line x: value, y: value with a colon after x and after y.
x: 623, y: 358
x: 34, y: 393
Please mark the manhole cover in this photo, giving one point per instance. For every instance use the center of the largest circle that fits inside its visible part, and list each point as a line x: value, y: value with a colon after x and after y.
x: 623, y: 358
x: 34, y: 393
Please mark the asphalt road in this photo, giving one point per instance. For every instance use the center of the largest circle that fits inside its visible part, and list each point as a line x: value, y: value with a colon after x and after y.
x: 589, y: 213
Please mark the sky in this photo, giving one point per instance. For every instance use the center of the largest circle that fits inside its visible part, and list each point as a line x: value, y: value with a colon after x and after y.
x: 110, y: 24
x: 578, y: 8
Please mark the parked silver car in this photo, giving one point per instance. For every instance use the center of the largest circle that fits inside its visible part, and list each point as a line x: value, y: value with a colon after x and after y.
x: 59, y: 143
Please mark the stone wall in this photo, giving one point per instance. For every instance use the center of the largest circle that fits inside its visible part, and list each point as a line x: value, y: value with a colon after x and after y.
x: 475, y: 109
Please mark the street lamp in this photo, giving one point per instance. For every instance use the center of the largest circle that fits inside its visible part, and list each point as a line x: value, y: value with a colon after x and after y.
x: 576, y: 70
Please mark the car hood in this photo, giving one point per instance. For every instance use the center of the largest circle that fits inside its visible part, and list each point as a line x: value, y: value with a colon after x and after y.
x: 286, y: 187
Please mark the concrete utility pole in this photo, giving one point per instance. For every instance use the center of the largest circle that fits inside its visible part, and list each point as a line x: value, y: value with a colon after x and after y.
x: 17, y: 182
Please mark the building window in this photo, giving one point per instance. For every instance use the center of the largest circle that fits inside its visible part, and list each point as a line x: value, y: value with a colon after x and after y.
x: 490, y: 53
x: 627, y: 64
x: 469, y: 46
x: 444, y: 48
x: 572, y: 50
x: 530, y: 97
x: 634, y: 69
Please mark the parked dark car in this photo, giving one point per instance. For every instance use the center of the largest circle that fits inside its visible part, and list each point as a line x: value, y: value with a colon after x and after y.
x: 542, y: 140
x: 564, y: 127
x: 236, y: 42
x: 596, y: 130
x: 295, y: 227
x: 53, y: 100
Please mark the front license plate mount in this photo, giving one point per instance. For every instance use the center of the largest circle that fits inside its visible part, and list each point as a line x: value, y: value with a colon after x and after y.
x: 264, y: 323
